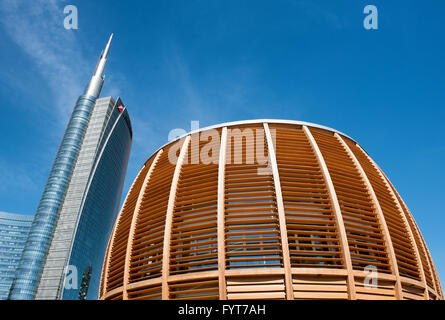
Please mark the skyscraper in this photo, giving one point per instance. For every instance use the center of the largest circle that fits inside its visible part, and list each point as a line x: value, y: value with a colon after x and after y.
x: 80, y: 201
x: 14, y: 230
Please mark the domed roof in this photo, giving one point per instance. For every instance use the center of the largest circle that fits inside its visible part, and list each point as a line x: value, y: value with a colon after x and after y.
x: 265, y: 209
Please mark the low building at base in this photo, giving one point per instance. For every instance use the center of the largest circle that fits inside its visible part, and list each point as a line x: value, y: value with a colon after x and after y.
x: 14, y: 230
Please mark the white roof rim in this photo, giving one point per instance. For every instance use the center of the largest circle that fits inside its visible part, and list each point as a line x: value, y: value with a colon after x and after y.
x: 253, y: 121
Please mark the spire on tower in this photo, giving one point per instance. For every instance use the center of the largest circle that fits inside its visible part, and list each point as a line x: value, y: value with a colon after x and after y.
x: 97, y: 80
x: 107, y: 47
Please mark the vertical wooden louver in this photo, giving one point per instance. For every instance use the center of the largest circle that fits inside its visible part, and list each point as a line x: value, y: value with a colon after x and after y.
x: 362, y: 226
x: 265, y: 210
x: 194, y: 289
x: 104, y: 266
x: 312, y: 234
x: 427, y: 265
x: 365, y: 239
x: 148, y: 292
x: 193, y: 244
x: 146, y: 252
x: 438, y: 288
x: 116, y: 253
x: 422, y: 253
x: 251, y: 220
x: 398, y: 230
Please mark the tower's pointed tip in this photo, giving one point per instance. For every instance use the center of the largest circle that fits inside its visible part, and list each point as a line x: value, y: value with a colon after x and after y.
x: 108, y: 45
x: 95, y: 85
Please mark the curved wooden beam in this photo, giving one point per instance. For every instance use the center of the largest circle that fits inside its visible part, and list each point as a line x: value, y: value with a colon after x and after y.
x: 281, y: 214
x: 113, y: 236
x: 337, y: 212
x: 439, y: 291
x: 405, y: 221
x: 220, y: 216
x: 103, y: 280
x: 133, y: 224
x: 433, y: 272
x: 169, y: 218
x: 390, y: 248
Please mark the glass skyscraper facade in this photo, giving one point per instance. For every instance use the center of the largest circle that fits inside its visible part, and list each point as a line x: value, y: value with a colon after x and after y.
x: 80, y: 201
x: 91, y: 203
x: 99, y: 209
x: 30, y: 267
x: 14, y: 230
x: 88, y: 210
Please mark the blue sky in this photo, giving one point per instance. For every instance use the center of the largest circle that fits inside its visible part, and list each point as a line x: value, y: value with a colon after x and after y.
x: 216, y: 61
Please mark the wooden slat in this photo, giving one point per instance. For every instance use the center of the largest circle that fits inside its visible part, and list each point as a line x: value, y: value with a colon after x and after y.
x: 303, y: 223
x: 133, y: 225
x: 194, y: 289
x: 253, y: 227
x: 337, y: 211
x: 256, y: 295
x: 114, y: 267
x: 147, y: 247
x: 320, y: 287
x: 258, y: 287
x: 281, y: 213
x: 169, y: 218
x: 105, y: 264
x: 359, y: 216
x: 376, y: 204
x: 304, y: 193
x: 401, y: 223
x: 430, y: 273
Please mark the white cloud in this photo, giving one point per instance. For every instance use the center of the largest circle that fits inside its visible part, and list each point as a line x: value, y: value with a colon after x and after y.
x: 37, y: 28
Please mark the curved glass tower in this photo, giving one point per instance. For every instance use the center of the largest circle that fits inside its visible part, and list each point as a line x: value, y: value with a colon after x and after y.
x: 98, y: 211
x: 96, y: 144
